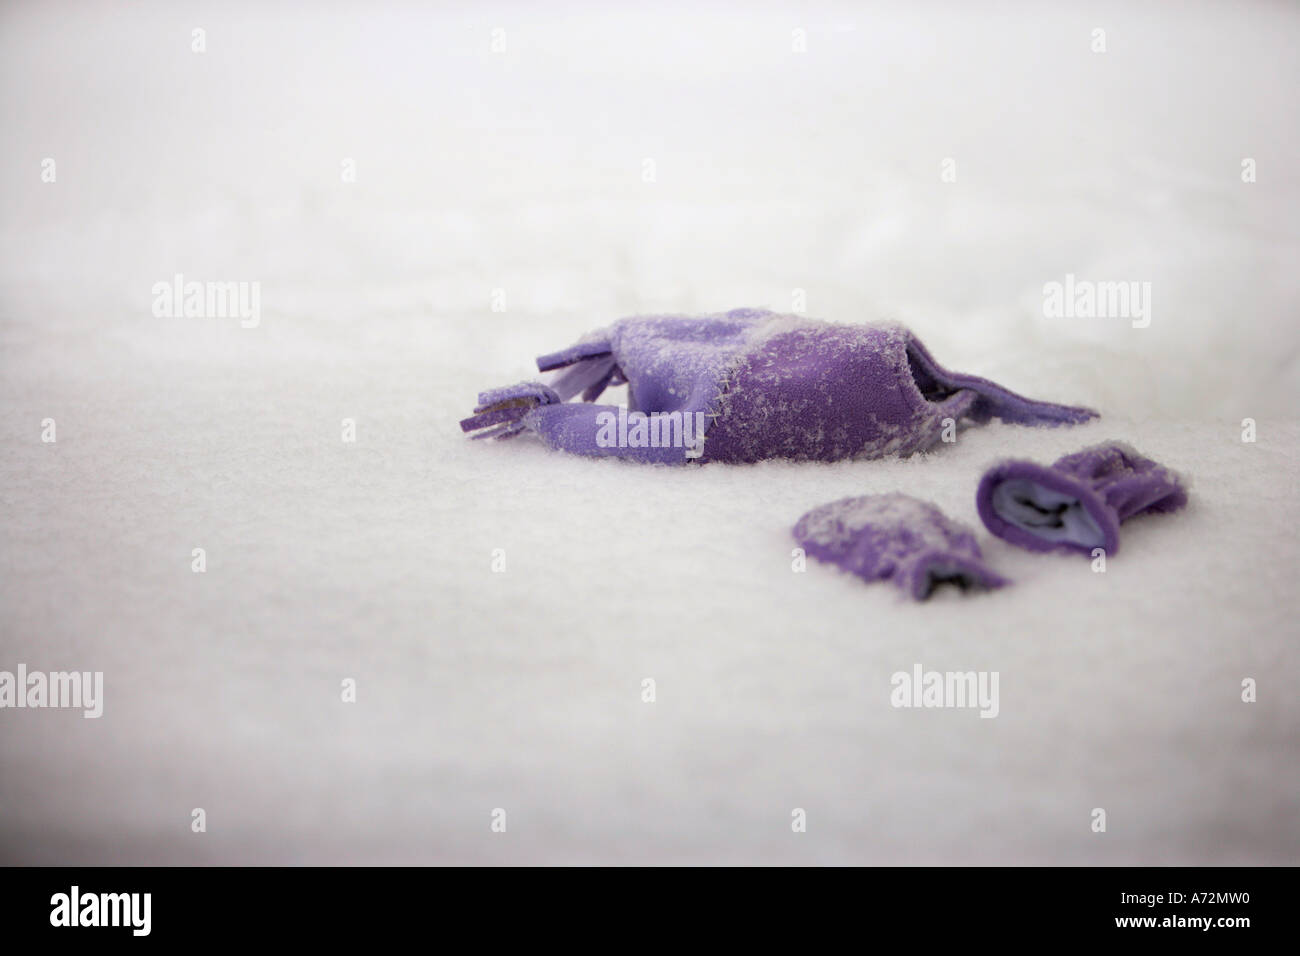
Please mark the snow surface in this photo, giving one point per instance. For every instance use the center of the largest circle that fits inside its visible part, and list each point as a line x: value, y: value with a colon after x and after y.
x: 522, y: 171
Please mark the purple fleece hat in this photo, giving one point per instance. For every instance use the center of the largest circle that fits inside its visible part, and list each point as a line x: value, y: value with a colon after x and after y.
x: 896, y: 538
x: 1079, y: 502
x: 748, y: 385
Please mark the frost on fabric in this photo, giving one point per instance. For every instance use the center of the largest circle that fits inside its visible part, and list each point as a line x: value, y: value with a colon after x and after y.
x: 896, y: 524
x: 814, y: 390
x: 677, y: 362
x: 770, y: 386
x: 1079, y: 501
x: 898, y: 538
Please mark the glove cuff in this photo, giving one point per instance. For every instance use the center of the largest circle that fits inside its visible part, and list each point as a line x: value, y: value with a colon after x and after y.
x: 1042, y: 509
x: 933, y: 568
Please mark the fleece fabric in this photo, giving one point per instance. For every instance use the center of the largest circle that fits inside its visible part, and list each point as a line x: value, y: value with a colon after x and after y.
x: 749, y: 385
x: 897, y: 538
x: 1079, y: 502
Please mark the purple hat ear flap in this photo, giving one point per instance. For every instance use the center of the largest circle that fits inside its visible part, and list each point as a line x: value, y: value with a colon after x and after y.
x: 604, y: 431
x: 937, y: 384
x: 573, y: 354
x: 942, y: 415
x: 589, y: 377
x: 958, y: 405
x: 588, y: 368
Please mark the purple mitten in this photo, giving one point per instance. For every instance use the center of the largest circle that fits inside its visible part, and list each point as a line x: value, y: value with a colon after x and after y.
x: 1079, y: 502
x: 897, y: 538
x: 756, y: 385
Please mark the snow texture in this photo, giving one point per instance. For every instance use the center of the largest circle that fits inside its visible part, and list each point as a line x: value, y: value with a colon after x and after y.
x: 599, y: 164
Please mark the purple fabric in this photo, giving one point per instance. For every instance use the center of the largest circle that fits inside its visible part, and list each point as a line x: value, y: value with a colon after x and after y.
x: 896, y: 538
x: 759, y: 385
x: 1079, y: 502
x: 507, y: 407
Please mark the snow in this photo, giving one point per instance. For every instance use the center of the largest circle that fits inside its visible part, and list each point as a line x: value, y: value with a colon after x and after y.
x: 776, y: 174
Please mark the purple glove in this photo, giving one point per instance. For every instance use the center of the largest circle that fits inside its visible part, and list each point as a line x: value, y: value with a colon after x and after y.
x: 757, y: 385
x: 1079, y: 502
x: 897, y: 538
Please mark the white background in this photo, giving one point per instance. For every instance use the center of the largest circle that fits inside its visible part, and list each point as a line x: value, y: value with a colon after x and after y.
x: 522, y: 171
